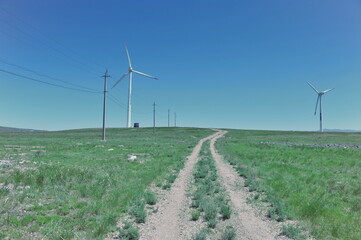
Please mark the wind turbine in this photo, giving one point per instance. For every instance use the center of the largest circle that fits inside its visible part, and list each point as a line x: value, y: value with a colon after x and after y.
x: 319, y: 98
x: 130, y: 73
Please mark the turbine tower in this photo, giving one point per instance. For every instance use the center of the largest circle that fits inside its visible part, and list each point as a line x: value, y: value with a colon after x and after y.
x: 130, y: 73
x: 319, y: 98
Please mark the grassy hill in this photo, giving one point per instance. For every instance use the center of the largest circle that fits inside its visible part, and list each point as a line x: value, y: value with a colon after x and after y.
x: 302, y: 178
x: 69, y: 184
x: 10, y: 129
x: 72, y: 185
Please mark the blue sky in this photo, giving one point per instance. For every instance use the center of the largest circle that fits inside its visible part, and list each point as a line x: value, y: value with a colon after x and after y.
x: 229, y: 64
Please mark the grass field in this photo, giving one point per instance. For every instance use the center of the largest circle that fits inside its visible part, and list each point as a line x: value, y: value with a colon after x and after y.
x: 317, y: 185
x: 69, y: 184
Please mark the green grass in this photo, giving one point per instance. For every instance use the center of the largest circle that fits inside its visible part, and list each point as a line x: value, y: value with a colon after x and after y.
x: 150, y: 198
x: 128, y: 232
x: 319, y: 186
x: 69, y: 184
x: 195, y: 215
x: 207, y: 195
x: 293, y: 232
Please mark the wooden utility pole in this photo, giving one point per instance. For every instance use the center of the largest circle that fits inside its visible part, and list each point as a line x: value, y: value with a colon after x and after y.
x: 175, y: 119
x: 105, y: 76
x: 168, y: 118
x: 154, y: 117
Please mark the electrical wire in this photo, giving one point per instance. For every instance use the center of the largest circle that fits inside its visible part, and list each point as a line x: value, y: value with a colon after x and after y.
x: 41, y: 49
x: 85, y: 66
x: 44, y: 82
x: 46, y: 76
x: 116, y: 101
x: 47, y: 36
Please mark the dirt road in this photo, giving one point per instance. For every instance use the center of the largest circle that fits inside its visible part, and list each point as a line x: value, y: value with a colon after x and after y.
x: 172, y: 221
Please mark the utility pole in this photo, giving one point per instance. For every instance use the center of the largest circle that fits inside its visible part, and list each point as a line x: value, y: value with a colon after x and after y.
x: 175, y: 119
x: 154, y: 117
x: 105, y: 76
x: 168, y: 118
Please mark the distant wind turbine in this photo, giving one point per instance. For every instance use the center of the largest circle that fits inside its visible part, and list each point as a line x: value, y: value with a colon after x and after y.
x: 319, y: 98
x: 130, y: 73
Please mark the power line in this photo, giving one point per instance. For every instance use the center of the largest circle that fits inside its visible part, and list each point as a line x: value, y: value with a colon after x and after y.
x: 52, y: 84
x: 51, y: 47
x: 49, y: 37
x: 116, y: 101
x: 42, y: 49
x: 46, y: 76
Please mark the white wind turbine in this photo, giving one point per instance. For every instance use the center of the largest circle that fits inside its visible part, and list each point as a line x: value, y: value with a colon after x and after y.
x: 319, y: 98
x: 130, y: 73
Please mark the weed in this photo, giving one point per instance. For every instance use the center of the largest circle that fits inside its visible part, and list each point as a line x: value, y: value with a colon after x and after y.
x: 150, y: 198
x: 195, y: 204
x: 293, y: 232
x: 210, y: 210
x: 201, y: 235
x: 277, y: 211
x: 229, y: 233
x: 128, y: 232
x: 171, y: 178
x: 138, y: 212
x: 212, y: 223
x: 195, y: 215
x: 166, y: 186
x: 225, y: 211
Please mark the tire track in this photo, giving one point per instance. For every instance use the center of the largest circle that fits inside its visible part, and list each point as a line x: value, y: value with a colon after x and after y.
x: 249, y: 224
x: 167, y: 222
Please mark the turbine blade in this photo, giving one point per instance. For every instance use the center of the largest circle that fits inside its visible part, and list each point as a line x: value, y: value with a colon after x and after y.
x: 143, y: 74
x: 120, y: 79
x: 126, y: 50
x: 318, y: 98
x: 313, y: 87
x: 328, y: 90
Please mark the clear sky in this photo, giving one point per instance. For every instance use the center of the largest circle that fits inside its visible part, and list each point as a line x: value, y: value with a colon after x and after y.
x: 231, y: 64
